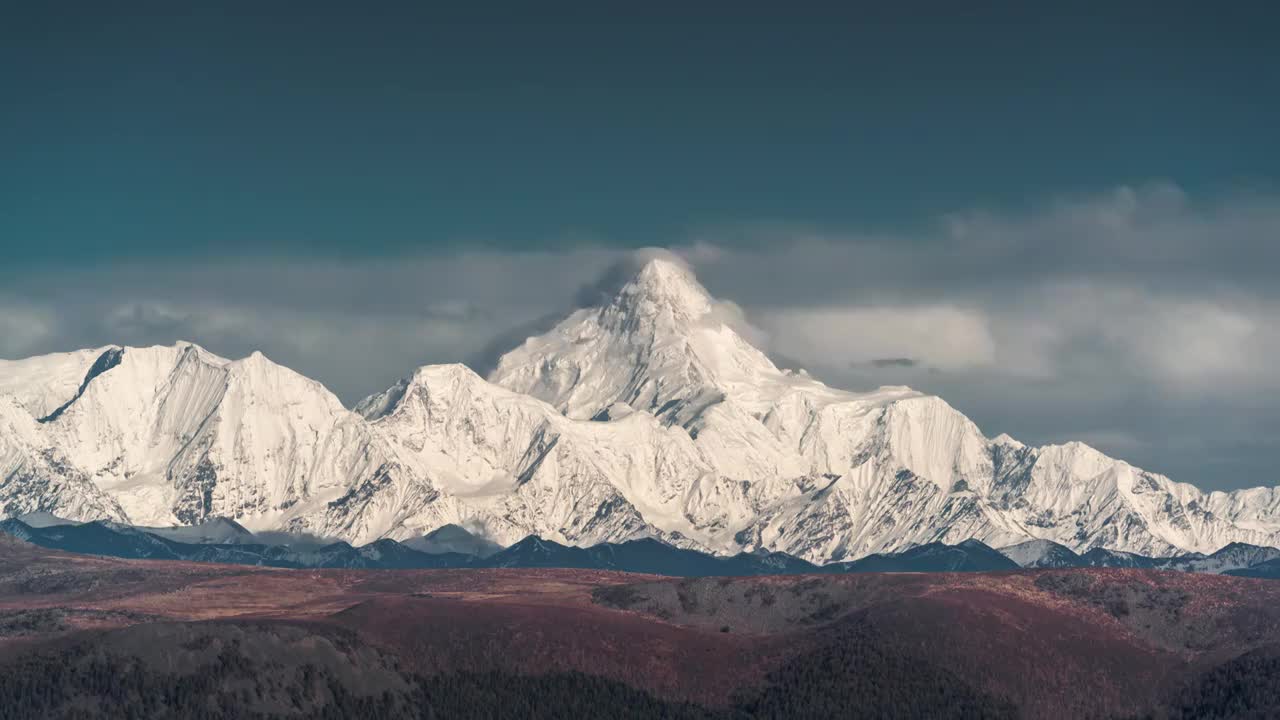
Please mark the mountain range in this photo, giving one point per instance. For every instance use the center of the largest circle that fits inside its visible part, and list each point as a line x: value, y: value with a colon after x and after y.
x: 220, y: 540
x: 647, y: 416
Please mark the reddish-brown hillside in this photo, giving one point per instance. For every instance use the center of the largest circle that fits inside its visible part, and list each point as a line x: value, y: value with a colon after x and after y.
x: 1036, y: 643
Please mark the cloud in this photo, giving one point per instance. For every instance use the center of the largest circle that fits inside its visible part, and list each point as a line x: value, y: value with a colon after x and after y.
x: 1151, y: 235
x: 1139, y: 282
x: 1143, y: 318
x: 356, y: 326
x: 937, y: 335
x: 624, y: 266
x: 485, y: 359
x: 1197, y: 342
x: 22, y: 328
x: 895, y: 362
x: 1121, y: 442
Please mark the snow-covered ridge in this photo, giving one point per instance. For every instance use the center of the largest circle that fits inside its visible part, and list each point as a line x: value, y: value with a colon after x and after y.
x: 650, y: 415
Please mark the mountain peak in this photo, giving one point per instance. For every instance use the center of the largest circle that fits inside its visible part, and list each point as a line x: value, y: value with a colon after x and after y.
x: 660, y: 345
x: 663, y: 285
x: 663, y: 271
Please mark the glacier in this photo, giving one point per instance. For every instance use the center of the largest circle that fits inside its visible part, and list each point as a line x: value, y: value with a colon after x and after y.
x: 649, y: 415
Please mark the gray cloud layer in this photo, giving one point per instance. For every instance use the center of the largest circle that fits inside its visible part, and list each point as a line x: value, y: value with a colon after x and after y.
x: 1139, y: 320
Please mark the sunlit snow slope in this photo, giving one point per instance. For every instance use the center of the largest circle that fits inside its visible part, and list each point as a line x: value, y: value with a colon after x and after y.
x: 647, y: 416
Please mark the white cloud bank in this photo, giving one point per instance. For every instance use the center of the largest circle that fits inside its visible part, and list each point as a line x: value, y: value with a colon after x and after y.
x: 938, y: 336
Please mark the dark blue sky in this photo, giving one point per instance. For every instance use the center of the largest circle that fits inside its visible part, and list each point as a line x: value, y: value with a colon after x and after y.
x: 167, y: 128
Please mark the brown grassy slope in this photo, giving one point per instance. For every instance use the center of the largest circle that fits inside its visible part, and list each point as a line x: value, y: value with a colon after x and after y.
x: 1081, y: 641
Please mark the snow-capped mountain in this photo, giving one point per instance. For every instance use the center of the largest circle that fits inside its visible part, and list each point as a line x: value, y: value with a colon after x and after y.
x: 648, y: 416
x: 1041, y: 554
x: 171, y: 435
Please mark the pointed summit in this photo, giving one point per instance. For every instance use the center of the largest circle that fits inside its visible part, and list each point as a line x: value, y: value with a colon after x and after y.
x: 663, y: 285
x: 659, y: 343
